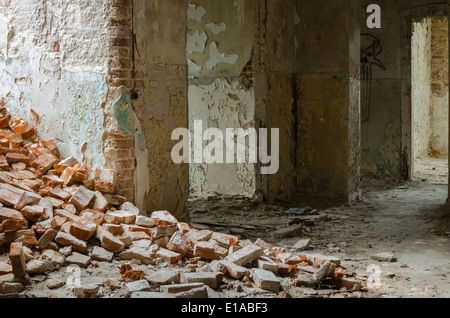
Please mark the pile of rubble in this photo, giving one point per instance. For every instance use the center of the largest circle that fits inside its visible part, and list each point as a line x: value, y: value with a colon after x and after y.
x: 56, y: 213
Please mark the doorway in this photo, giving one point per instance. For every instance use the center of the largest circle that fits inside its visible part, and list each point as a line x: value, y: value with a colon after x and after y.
x: 429, y: 100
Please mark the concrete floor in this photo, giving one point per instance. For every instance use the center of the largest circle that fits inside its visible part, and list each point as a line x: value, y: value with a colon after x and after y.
x: 434, y: 170
x: 408, y: 219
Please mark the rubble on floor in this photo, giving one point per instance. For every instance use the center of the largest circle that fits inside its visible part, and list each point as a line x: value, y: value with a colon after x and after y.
x: 57, y: 213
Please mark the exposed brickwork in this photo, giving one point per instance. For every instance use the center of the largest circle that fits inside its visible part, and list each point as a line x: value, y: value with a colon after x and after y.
x: 248, y: 70
x: 120, y: 148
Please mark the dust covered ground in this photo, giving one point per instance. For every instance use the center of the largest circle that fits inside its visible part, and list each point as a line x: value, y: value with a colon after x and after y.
x: 408, y: 219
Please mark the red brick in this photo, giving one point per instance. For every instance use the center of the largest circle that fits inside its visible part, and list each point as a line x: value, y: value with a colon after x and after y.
x: 204, y: 250
x: 4, y: 164
x: 52, y: 147
x: 107, y: 181
x: 164, y: 218
x: 65, y: 163
x: 225, y: 240
x: 66, y: 239
x: 46, y: 238
x: 16, y: 157
x: 23, y: 128
x: 168, y: 256
x: 52, y: 181
x: 45, y: 162
x: 33, y: 212
x: 30, y: 241
x: 9, y: 214
x: 13, y: 225
x: 114, y: 229
x: 17, y: 258
x: 179, y: 243
x: 60, y: 194
x: 38, y: 150
x: 93, y: 216
x: 120, y: 217
x: 82, y: 198
x: 111, y: 243
x: 83, y: 229
x: 100, y: 203
x: 70, y: 176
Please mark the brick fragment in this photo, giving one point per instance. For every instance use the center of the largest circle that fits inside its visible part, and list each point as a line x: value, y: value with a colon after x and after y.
x: 246, y: 255
x: 83, y: 229
x: 65, y: 163
x: 110, y: 242
x: 266, y: 280
x: 46, y: 238
x: 93, y: 216
x: 161, y: 231
x: 82, y: 198
x: 235, y: 271
x: 205, y: 250
x: 212, y: 280
x: 78, y: 259
x: 180, y: 288
x: 168, y: 256
x: 13, y: 225
x: 225, y: 240
x: 10, y: 214
x: 137, y: 253
x: 199, y: 236
x: 163, y: 278
x: 52, y: 147
x: 120, y: 217
x: 27, y: 198
x: 45, y: 162
x: 21, y: 127
x: 100, y: 204
x: 179, y: 243
x: 70, y: 176
x: 17, y: 258
x: 66, y: 239
x: 163, y: 218
x: 33, y: 212
x: 106, y: 181
x: 145, y: 221
x: 16, y: 157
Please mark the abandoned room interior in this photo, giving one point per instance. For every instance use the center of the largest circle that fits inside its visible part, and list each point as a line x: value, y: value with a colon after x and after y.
x: 341, y: 192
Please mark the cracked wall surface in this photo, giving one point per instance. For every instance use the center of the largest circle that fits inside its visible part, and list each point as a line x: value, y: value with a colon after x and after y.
x: 219, y: 53
x: 53, y: 70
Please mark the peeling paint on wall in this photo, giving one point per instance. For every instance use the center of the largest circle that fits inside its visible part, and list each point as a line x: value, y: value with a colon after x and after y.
x: 195, y: 12
x: 222, y: 104
x: 215, y: 57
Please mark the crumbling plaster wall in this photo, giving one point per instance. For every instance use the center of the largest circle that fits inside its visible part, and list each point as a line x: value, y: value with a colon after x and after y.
x: 53, y: 71
x: 219, y: 51
x: 161, y: 106
x: 439, y: 86
x: 421, y: 87
x: 386, y: 133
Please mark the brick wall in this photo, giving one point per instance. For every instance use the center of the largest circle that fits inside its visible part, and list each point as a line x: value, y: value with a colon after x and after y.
x: 120, y: 148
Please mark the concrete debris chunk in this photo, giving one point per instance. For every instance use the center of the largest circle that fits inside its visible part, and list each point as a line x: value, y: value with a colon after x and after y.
x: 384, y: 257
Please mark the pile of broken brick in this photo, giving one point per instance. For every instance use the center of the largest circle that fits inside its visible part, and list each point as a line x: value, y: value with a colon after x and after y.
x: 56, y: 212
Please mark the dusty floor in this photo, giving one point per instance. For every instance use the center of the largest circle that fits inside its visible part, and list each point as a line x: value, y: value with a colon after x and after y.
x: 431, y: 169
x: 408, y: 219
